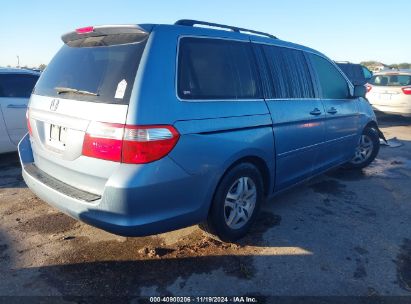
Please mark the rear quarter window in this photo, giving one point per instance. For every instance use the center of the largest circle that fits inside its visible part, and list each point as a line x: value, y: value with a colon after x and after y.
x: 17, y: 85
x: 216, y: 69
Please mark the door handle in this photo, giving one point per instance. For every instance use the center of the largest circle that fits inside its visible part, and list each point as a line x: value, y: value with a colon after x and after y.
x: 332, y: 110
x: 316, y: 112
x: 16, y: 106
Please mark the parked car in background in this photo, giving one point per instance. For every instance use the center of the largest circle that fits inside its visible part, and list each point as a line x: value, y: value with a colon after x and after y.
x: 16, y: 86
x: 390, y: 92
x: 143, y: 129
x: 356, y: 73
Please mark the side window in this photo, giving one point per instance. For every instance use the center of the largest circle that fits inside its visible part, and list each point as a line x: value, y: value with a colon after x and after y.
x: 17, y: 85
x: 216, y: 69
x: 290, y: 75
x: 333, y: 84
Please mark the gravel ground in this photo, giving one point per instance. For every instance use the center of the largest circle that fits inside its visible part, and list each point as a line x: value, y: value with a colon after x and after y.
x: 342, y: 233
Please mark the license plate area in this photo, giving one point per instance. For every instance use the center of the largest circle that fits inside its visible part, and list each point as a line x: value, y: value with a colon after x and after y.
x: 385, y: 96
x: 57, y: 137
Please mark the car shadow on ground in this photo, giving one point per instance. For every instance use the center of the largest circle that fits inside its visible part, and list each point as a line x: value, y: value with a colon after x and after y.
x: 10, y: 171
x: 392, y: 120
x: 128, y: 267
x: 147, y: 266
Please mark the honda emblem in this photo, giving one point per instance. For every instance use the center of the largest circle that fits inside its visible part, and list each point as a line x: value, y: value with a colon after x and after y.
x: 54, y: 104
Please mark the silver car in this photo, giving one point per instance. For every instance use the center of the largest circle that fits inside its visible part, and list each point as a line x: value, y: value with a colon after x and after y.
x: 390, y: 92
x: 16, y: 86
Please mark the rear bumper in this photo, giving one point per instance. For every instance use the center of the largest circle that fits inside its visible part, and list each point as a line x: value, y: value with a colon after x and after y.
x: 404, y: 111
x: 137, y: 200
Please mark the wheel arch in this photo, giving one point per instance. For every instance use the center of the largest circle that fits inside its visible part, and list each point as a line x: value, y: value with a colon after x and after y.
x: 371, y: 124
x: 260, y: 164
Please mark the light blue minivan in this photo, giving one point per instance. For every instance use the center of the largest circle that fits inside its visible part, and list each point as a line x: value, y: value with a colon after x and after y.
x: 142, y: 129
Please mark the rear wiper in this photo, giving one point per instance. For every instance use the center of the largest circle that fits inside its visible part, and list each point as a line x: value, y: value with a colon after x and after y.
x: 62, y: 90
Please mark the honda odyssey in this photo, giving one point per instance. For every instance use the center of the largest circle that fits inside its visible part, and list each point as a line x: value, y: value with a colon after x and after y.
x: 142, y: 129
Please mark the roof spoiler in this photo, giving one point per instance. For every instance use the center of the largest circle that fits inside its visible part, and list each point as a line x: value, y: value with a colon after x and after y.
x: 104, y: 30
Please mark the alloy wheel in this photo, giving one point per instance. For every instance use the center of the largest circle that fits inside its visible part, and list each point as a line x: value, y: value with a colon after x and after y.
x: 363, y: 150
x: 240, y: 202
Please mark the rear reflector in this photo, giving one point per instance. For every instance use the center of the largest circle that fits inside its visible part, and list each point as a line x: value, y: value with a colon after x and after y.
x: 85, y: 30
x: 28, y: 123
x: 129, y: 144
x: 406, y: 90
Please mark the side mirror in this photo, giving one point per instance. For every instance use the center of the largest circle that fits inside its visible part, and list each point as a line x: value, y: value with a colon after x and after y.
x: 359, y: 91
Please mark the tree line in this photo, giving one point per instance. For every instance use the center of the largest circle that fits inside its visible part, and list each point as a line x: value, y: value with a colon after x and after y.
x: 403, y: 65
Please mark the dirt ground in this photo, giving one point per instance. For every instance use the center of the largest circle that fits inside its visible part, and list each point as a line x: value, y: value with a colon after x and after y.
x: 342, y: 233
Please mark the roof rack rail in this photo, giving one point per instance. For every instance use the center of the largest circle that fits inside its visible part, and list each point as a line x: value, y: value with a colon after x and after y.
x: 189, y: 22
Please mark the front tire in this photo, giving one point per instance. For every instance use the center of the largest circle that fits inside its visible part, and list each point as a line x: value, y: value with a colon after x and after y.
x: 236, y: 202
x: 367, y: 149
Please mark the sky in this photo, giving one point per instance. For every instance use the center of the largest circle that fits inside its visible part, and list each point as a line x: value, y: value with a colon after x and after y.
x: 349, y: 30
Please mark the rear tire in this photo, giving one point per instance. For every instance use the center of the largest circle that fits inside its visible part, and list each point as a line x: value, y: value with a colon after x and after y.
x: 367, y: 149
x: 236, y: 203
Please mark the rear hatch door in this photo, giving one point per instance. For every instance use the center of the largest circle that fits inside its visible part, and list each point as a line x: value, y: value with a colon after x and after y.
x: 89, y: 80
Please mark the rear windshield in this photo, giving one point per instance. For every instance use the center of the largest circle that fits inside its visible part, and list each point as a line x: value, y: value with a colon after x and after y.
x: 17, y: 85
x: 391, y: 80
x: 98, y: 74
x: 354, y: 72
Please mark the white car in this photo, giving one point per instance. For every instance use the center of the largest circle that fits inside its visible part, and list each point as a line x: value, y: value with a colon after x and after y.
x: 16, y: 86
x: 390, y: 92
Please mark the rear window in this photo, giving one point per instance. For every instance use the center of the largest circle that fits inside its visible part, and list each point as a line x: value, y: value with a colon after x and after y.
x: 101, y: 73
x: 216, y: 69
x: 354, y: 72
x: 17, y: 85
x: 391, y: 80
x: 367, y: 73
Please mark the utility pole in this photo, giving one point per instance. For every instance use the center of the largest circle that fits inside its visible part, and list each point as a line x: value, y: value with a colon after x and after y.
x: 18, y: 61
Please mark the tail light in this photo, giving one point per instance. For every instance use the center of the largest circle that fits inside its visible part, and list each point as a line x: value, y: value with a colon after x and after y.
x: 129, y: 144
x: 104, y: 141
x: 406, y: 90
x: 144, y: 144
x: 28, y: 123
x: 368, y: 87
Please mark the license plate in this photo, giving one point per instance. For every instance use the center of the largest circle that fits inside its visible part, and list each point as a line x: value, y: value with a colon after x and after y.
x: 385, y: 96
x: 55, y: 132
x: 57, y: 136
